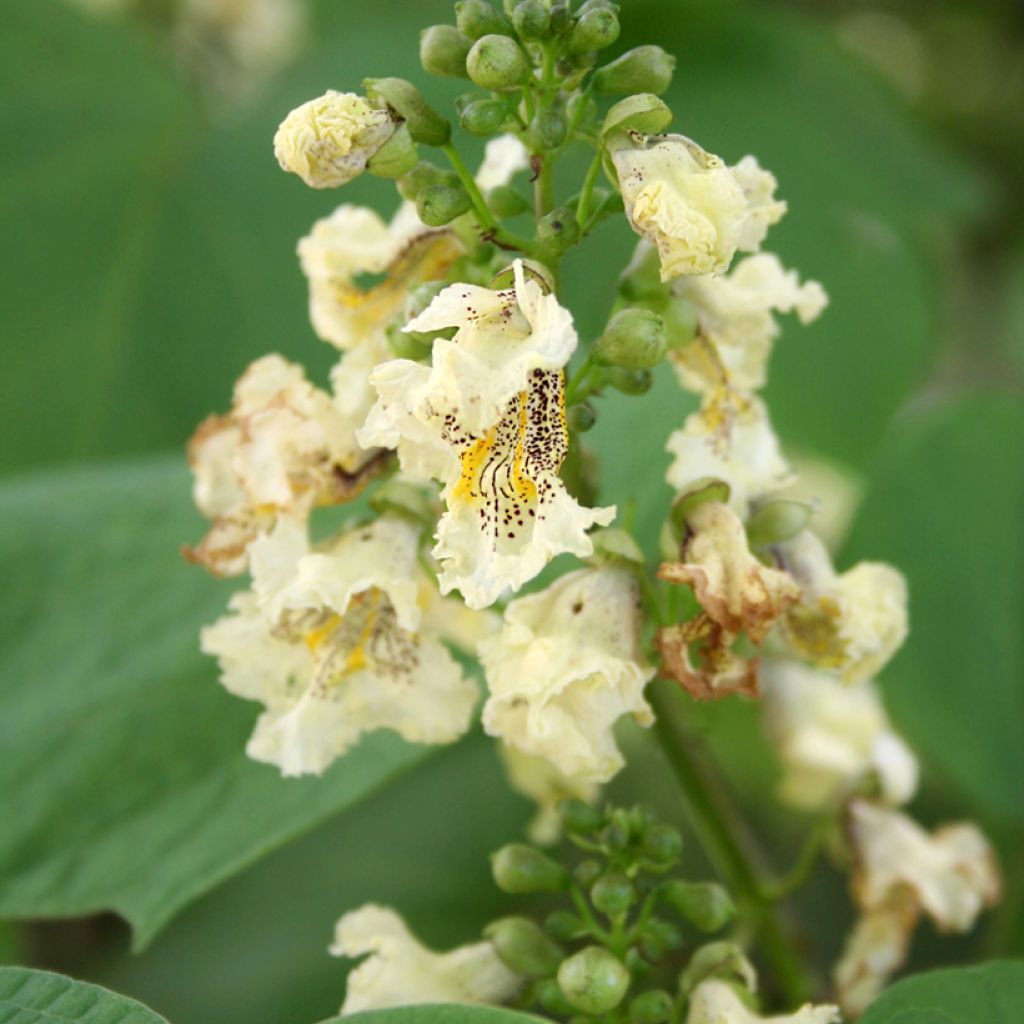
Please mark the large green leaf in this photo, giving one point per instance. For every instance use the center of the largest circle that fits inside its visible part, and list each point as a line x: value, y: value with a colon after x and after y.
x: 39, y: 997
x: 945, y: 506
x: 439, y: 1013
x: 988, y: 994
x: 126, y: 786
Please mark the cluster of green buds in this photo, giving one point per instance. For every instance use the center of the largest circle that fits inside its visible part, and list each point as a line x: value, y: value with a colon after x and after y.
x: 623, y: 948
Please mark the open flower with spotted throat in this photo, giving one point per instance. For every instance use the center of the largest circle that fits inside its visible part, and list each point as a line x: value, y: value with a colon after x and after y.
x: 285, y: 448
x: 335, y: 642
x: 564, y: 668
x: 400, y: 971
x: 488, y: 420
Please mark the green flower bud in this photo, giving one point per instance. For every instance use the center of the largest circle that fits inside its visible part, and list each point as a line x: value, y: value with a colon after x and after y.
x: 706, y: 905
x: 643, y: 112
x: 420, y: 177
x: 438, y: 205
x: 505, y: 201
x: 561, y: 18
x: 564, y: 926
x: 615, y: 835
x: 552, y: 998
x: 425, y: 124
x: 476, y: 18
x: 630, y: 382
x: 587, y: 872
x: 406, y: 346
x: 531, y: 19
x: 723, y: 960
x: 519, y: 868
x: 654, y: 1007
x: 643, y: 69
x: 662, y: 844
x: 497, y: 62
x: 483, y: 117
x: 593, y: 980
x: 443, y: 51
x: 597, y: 5
x: 777, y: 521
x: 547, y: 131
x: 595, y: 29
x: 581, y: 418
x: 680, y: 322
x: 558, y: 230
x: 634, y: 339
x: 524, y: 948
x: 396, y: 157
x: 659, y: 938
x: 579, y: 817
x: 613, y: 894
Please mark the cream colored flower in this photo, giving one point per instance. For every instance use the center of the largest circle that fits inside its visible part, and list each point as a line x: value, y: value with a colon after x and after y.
x: 504, y: 157
x: 285, y: 448
x: 763, y: 209
x: 715, y: 1002
x: 401, y: 972
x: 830, y: 737
x: 730, y: 438
x: 851, y: 623
x: 565, y: 667
x: 328, y: 141
x: 735, y: 325
x: 333, y: 643
x: 539, y: 780
x: 353, y: 241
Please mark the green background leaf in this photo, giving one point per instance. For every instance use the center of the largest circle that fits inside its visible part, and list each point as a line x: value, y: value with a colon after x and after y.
x: 35, y: 997
x: 440, y: 1013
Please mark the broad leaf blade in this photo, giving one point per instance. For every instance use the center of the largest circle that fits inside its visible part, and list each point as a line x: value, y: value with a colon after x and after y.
x: 39, y: 997
x: 438, y: 1013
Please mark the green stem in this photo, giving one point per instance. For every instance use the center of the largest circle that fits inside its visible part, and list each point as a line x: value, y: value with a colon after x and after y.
x: 587, y: 917
x: 583, y: 206
x: 723, y: 849
x: 804, y: 865
x: 480, y: 207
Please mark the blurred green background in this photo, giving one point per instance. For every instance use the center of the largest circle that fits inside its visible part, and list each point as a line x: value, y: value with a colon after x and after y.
x: 149, y: 257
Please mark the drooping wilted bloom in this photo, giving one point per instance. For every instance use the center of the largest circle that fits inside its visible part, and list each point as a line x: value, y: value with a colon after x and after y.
x: 565, y: 667
x: 716, y: 1002
x: 334, y: 643
x: 329, y: 140
x: 831, y: 737
x: 400, y: 971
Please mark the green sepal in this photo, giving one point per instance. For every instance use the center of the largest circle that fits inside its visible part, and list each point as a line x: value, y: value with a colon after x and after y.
x: 425, y: 124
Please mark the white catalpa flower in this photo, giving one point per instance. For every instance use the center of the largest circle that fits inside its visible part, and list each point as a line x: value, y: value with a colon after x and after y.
x: 354, y: 240
x: 285, y: 448
x: 851, y: 623
x: 565, y: 667
x: 539, y: 780
x: 504, y: 157
x: 729, y: 439
x: 716, y: 1002
x: 399, y: 971
x: 332, y: 642
x: 735, y: 326
x: 830, y: 737
x: 693, y: 208
x: 329, y: 141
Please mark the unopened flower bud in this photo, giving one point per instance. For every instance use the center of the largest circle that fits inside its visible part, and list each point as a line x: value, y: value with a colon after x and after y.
x: 483, y: 117
x: 630, y: 382
x: 552, y: 998
x: 723, y: 960
x: 634, y: 339
x: 613, y: 894
x: 547, y: 130
x: 425, y: 124
x: 564, y: 926
x: 524, y: 948
x: 505, y: 201
x: 531, y: 19
x: 581, y: 418
x: 497, y: 62
x: 561, y: 18
x: 579, y: 818
x: 663, y: 844
x: 653, y: 1007
x: 777, y: 521
x: 659, y: 938
x: 406, y: 346
x: 615, y: 835
x: 558, y: 230
x: 587, y: 872
x: 519, y: 868
x: 443, y: 51
x: 420, y: 177
x: 706, y: 905
x: 438, y: 205
x: 595, y: 29
x: 643, y: 69
x: 476, y: 18
x: 396, y: 157
x: 593, y: 980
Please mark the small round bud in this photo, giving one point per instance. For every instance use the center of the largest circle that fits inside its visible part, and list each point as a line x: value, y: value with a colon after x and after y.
x: 505, y: 201
x: 613, y: 894
x: 519, y: 868
x: 476, y: 18
x: 406, y: 346
x: 587, y: 872
x: 777, y: 521
x: 561, y: 18
x: 483, y: 117
x: 552, y: 998
x: 615, y: 835
x: 634, y: 339
x: 593, y: 980
x: 643, y: 69
x: 531, y: 19
x: 706, y: 905
x: 579, y: 817
x: 595, y: 29
x: 558, y: 230
x: 438, y: 205
x: 659, y: 938
x: 581, y: 418
x: 420, y: 177
x: 443, y: 51
x: 654, y: 1007
x: 564, y: 926
x: 662, y: 844
x: 524, y: 948
x: 497, y: 62
x: 630, y: 382
x: 547, y: 131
